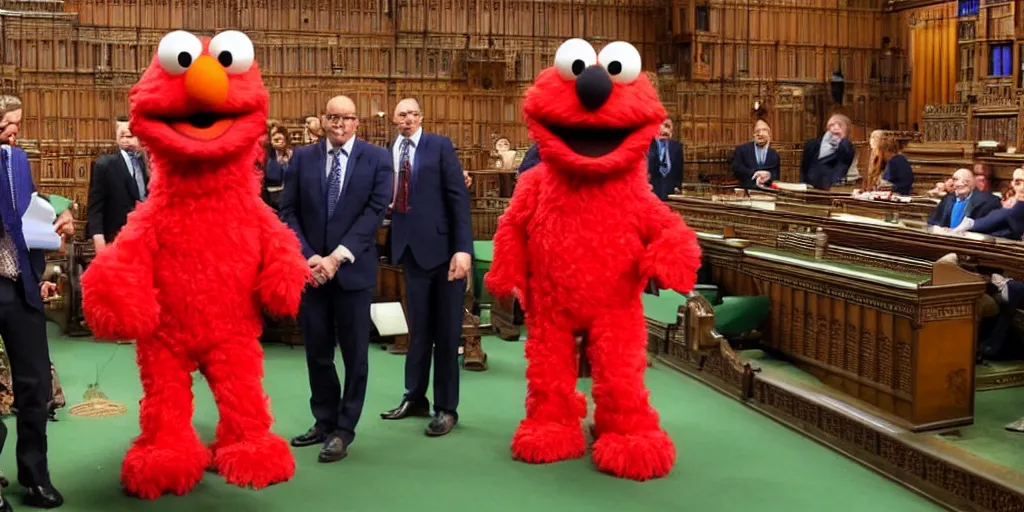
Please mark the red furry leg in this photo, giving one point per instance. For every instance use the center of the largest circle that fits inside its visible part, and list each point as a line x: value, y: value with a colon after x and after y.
x: 551, y: 431
x: 630, y: 443
x: 246, y: 453
x: 168, y: 456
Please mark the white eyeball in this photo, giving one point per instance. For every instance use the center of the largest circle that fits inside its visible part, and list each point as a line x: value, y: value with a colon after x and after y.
x: 622, y: 61
x: 233, y: 50
x: 573, y: 57
x: 177, y: 51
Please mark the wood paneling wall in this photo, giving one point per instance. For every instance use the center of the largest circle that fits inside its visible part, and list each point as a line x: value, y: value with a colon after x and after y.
x: 930, y: 33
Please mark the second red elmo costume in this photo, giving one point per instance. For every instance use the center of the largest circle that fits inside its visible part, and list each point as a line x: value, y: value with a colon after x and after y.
x: 582, y: 236
x: 188, y: 276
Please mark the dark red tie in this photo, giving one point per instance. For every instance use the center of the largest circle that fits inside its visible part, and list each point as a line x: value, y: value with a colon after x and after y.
x: 404, y: 170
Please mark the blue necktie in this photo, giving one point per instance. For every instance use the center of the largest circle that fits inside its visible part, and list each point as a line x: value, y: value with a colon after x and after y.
x: 137, y: 174
x: 664, y: 159
x: 760, y: 155
x: 334, y: 182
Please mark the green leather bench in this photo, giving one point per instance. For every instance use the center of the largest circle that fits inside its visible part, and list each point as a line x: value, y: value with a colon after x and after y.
x: 734, y: 316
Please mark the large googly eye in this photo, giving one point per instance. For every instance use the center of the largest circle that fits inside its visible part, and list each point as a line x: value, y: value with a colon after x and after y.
x: 573, y: 57
x: 621, y: 61
x: 233, y: 50
x: 177, y: 51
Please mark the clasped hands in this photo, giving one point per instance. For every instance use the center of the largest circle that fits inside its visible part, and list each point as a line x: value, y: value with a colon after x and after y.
x: 323, y: 268
x: 760, y: 177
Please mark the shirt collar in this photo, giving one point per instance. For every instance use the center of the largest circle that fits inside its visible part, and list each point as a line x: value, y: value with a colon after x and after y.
x: 415, y: 138
x: 346, y: 147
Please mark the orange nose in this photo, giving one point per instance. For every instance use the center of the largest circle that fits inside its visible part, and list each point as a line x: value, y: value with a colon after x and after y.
x: 207, y: 82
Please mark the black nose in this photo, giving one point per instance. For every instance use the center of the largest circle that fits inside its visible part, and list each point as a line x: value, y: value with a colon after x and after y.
x: 593, y: 87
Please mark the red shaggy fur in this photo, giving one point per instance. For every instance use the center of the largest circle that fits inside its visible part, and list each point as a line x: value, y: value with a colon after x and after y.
x: 576, y: 246
x: 186, y: 278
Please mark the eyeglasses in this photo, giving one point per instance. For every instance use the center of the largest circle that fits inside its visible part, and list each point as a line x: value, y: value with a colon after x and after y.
x: 338, y: 118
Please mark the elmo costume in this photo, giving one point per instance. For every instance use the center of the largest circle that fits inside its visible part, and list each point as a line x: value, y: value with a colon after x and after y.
x: 187, y: 276
x: 581, y: 238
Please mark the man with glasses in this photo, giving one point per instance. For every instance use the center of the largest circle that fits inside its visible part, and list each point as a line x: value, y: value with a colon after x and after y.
x: 335, y: 194
x: 432, y: 239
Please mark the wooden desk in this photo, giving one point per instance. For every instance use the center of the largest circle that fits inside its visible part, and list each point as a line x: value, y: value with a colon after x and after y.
x: 901, y: 340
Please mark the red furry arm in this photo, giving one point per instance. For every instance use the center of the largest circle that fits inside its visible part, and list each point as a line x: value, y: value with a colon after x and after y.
x: 119, y: 298
x: 508, y: 270
x: 284, y: 272
x: 673, y: 255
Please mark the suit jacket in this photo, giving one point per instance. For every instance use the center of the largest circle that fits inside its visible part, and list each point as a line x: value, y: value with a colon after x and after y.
x: 530, y: 159
x: 744, y: 164
x: 113, y: 194
x: 437, y: 224
x: 979, y: 204
x: 31, y: 263
x: 899, y: 172
x: 822, y: 174
x: 365, y: 194
x: 1003, y: 222
x: 665, y: 185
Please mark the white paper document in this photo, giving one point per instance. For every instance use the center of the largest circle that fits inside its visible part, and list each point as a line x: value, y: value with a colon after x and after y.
x: 389, y: 318
x: 37, y: 225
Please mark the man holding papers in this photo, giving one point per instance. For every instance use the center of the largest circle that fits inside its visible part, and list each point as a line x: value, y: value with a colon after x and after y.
x: 22, y: 322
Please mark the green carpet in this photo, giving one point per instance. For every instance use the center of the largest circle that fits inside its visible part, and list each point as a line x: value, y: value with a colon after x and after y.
x: 730, y: 457
x: 987, y: 438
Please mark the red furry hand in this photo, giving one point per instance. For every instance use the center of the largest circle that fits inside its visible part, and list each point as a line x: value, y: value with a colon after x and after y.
x: 118, y: 303
x: 672, y: 266
x: 281, y: 285
x: 503, y: 286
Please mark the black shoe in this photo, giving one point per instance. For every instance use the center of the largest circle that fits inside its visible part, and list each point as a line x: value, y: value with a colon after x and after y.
x: 5, y: 506
x: 334, y: 450
x: 43, y: 496
x: 406, y: 409
x: 441, y: 424
x: 311, y: 437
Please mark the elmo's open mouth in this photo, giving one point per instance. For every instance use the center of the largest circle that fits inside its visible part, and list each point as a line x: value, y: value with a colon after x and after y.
x: 591, y: 142
x: 202, y: 125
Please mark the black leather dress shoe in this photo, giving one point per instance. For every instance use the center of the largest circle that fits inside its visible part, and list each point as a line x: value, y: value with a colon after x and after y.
x: 43, y: 496
x: 406, y: 409
x: 311, y: 437
x: 441, y: 424
x: 5, y: 506
x: 334, y: 450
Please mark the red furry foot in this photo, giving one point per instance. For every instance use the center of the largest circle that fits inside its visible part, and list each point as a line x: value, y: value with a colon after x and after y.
x: 255, y: 462
x: 581, y: 404
x: 539, y: 442
x: 639, y: 456
x: 151, y: 469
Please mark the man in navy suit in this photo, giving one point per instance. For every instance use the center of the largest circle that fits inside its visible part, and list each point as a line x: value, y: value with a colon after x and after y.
x: 335, y: 194
x: 530, y: 159
x: 665, y: 163
x: 22, y: 321
x: 432, y: 239
x: 755, y: 164
x: 965, y: 202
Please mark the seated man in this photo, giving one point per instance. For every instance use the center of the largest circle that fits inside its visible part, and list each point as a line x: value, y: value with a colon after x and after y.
x: 1004, y: 222
x: 755, y: 163
x: 965, y: 202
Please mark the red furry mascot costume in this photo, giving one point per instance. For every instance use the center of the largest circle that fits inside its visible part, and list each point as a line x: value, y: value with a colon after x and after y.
x: 187, y: 276
x: 578, y: 243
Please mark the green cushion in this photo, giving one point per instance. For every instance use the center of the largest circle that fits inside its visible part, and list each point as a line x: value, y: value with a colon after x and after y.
x: 733, y: 316
x: 483, y: 255
x: 483, y: 250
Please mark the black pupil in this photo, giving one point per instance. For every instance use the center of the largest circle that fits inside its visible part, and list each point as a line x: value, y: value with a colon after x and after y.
x: 578, y: 66
x: 184, y: 59
x: 615, y: 68
x: 224, y: 58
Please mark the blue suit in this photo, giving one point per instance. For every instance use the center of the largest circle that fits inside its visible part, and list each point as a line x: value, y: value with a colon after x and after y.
x: 23, y: 324
x: 423, y: 240
x: 338, y: 312
x: 1002, y: 222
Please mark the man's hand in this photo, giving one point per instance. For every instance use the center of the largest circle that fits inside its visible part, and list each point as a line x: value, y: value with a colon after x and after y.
x: 459, y: 267
x: 47, y: 289
x: 99, y: 243
x: 314, y: 267
x: 328, y: 266
x: 467, y: 178
x: 65, y: 224
x: 762, y: 176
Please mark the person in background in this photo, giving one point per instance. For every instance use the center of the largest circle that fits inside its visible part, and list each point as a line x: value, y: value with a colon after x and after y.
x: 665, y: 163
x: 826, y: 160
x: 530, y: 159
x: 118, y: 182
x: 756, y: 163
x: 888, y: 169
x: 279, y: 154
x: 964, y: 202
x: 1004, y: 222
